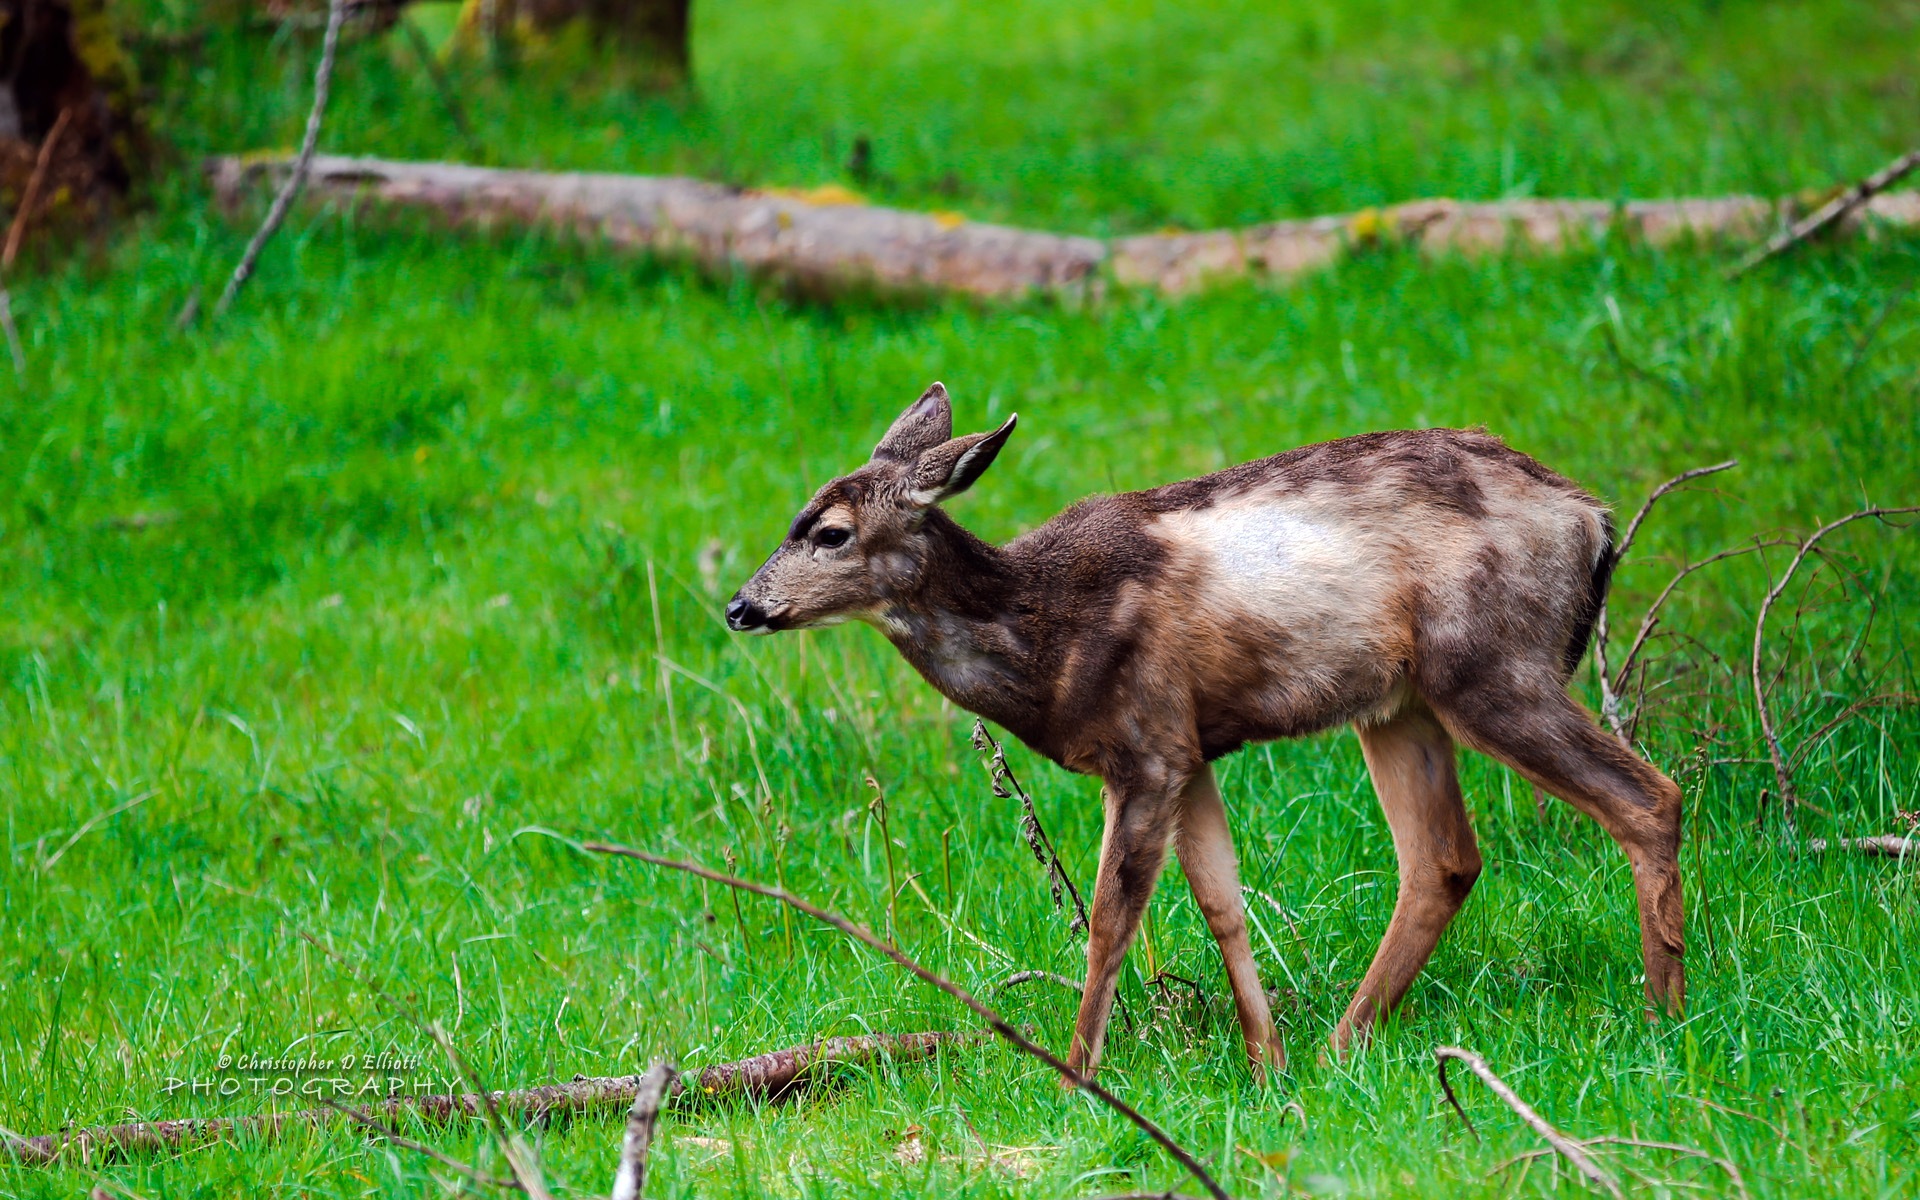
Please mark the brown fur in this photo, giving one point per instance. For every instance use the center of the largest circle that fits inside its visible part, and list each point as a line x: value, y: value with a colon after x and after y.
x: 1429, y: 587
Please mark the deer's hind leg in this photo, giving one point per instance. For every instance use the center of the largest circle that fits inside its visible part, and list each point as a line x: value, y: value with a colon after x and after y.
x: 1541, y: 733
x: 1411, y: 760
x: 1205, y: 847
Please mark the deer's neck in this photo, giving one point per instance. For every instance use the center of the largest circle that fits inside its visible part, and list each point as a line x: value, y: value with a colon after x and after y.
x: 957, y: 615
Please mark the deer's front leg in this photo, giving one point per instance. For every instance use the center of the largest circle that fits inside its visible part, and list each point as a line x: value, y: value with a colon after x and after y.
x: 1140, y: 821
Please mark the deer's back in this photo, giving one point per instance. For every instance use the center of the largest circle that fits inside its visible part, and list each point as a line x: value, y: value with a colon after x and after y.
x: 1329, y: 583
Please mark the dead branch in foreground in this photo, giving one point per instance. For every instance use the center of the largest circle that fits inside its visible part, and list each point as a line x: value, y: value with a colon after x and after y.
x: 1563, y: 1145
x: 828, y: 239
x: 631, y: 1177
x: 1627, y: 1143
x: 1610, y: 703
x: 1006, y: 787
x: 297, y: 178
x: 1833, y: 210
x: 764, y: 1076
x: 1782, y: 765
x: 872, y: 941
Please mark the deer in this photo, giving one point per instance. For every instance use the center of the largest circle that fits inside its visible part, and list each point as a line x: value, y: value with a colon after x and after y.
x: 1432, y: 588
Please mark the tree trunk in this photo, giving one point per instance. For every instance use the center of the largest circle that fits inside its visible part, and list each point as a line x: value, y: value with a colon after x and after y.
x: 63, y: 72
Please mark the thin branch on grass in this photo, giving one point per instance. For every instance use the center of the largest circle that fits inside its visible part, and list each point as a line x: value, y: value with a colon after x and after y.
x: 1627, y: 1143
x: 1782, y: 766
x: 1887, y: 845
x: 869, y: 939
x: 1561, y: 1144
x: 1879, y: 700
x: 1833, y: 210
x: 362, y: 1118
x: 770, y: 1076
x: 30, y: 196
x: 88, y: 826
x: 1610, y: 703
x: 322, y: 77
x: 1006, y: 787
x: 631, y: 1177
x: 1020, y: 977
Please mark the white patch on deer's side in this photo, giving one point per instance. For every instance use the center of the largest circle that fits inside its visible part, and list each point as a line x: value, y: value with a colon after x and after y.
x: 1256, y: 554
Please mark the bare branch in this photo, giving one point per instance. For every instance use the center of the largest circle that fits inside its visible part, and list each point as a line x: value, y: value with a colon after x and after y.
x: 631, y: 1178
x: 1782, y: 769
x: 1833, y: 210
x: 322, y: 78
x: 30, y: 196
x: 994, y: 1020
x: 468, y: 1170
x: 1037, y: 840
x: 1610, y: 705
x: 1733, y: 1172
x: 1563, y: 1145
x: 1882, y: 700
x: 1020, y: 977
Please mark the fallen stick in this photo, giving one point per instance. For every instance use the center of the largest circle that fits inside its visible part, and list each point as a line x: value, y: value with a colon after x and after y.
x: 631, y: 1177
x: 869, y: 939
x: 827, y: 239
x: 1890, y: 845
x: 1833, y: 210
x: 764, y: 1076
x: 1565, y: 1146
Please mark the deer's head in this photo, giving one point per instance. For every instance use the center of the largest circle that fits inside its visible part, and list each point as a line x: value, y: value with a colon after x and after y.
x: 860, y: 542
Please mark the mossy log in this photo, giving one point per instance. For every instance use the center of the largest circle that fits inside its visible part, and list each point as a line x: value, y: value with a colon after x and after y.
x: 827, y: 240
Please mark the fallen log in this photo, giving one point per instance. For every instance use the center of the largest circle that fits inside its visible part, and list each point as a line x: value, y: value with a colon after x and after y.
x: 764, y: 1076
x: 1888, y: 845
x: 828, y: 239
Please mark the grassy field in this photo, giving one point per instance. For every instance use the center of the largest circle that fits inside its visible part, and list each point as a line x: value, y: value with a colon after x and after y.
x: 308, y: 613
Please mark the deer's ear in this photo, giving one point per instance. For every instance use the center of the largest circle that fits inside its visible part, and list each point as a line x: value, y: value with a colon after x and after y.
x: 927, y: 422
x: 951, y: 467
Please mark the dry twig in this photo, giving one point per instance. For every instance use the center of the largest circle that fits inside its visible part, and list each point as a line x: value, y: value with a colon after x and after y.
x: 30, y: 196
x: 872, y: 941
x: 1006, y: 787
x: 1782, y: 766
x: 631, y: 1178
x: 1627, y: 1143
x: 1830, y: 212
x: 465, y: 1169
x: 322, y: 77
x: 1020, y: 977
x: 1563, y: 1145
x: 1610, y: 703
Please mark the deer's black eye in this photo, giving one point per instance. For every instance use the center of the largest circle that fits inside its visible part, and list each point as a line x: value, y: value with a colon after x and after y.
x: 833, y: 536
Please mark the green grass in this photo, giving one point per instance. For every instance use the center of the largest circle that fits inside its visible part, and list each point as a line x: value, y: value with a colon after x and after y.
x: 406, y: 513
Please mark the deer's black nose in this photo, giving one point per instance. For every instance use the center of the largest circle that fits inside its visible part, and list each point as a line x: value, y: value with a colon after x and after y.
x: 743, y: 614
